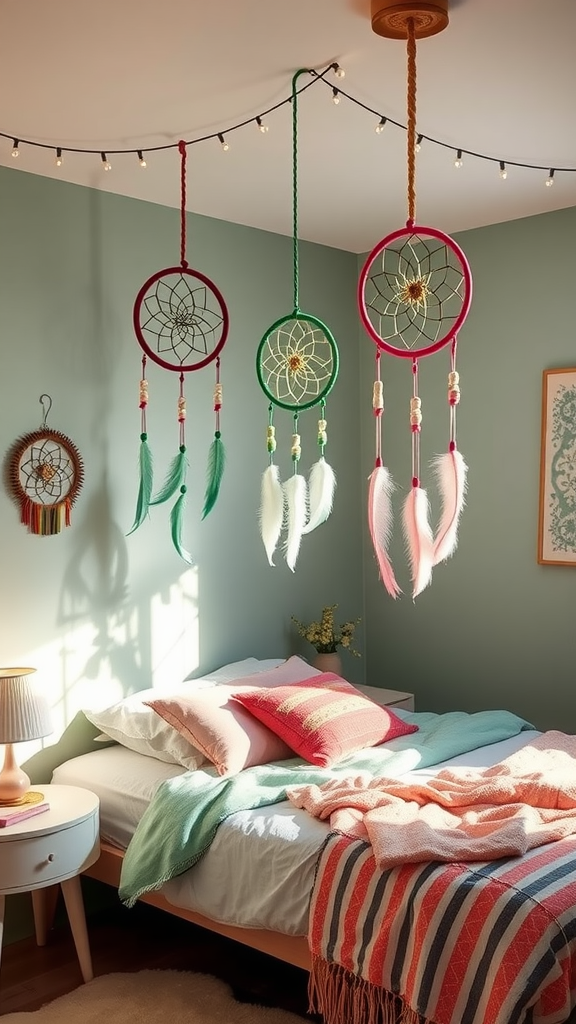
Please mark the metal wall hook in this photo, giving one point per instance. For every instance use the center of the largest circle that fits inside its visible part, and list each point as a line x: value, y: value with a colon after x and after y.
x: 46, y: 411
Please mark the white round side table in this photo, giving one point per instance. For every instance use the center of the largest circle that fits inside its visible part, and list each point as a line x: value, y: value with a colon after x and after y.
x: 53, y: 848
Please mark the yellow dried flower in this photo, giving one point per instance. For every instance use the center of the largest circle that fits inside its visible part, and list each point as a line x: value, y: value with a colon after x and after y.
x: 325, y: 636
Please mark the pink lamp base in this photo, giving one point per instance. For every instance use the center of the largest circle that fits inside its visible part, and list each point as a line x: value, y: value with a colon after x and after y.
x: 14, y: 783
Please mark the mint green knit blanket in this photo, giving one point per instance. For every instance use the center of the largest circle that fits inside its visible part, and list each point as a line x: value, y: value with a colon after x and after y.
x: 180, y: 822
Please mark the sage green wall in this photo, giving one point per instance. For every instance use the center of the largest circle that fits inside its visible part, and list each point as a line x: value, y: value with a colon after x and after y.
x: 495, y: 629
x: 96, y: 612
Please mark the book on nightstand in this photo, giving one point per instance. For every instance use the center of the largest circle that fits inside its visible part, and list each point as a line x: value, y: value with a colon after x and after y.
x: 11, y: 815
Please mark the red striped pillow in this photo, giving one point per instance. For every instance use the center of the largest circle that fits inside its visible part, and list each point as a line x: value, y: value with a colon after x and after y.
x: 323, y: 719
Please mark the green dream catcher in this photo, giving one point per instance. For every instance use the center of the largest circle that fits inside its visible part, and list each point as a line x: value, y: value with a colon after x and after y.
x: 297, y: 366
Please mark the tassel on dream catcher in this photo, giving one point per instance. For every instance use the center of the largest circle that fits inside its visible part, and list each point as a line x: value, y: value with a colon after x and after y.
x: 46, y: 474
x: 297, y: 366
x: 414, y: 294
x: 181, y: 322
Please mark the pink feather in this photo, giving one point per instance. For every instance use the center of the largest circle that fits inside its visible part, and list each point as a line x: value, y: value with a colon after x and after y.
x: 450, y: 470
x: 419, y: 539
x: 380, y: 524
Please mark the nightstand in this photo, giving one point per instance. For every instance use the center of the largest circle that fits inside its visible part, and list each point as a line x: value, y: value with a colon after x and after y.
x: 389, y: 698
x: 51, y: 849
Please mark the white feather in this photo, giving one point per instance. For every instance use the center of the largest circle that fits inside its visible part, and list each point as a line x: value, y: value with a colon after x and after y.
x: 380, y: 524
x: 271, y: 509
x: 450, y: 470
x: 296, y: 499
x: 321, y: 487
x: 419, y: 539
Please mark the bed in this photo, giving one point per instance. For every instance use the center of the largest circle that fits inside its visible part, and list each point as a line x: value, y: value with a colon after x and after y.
x: 246, y: 862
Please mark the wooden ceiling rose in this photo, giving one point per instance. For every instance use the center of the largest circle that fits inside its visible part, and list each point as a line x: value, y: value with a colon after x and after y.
x: 389, y: 18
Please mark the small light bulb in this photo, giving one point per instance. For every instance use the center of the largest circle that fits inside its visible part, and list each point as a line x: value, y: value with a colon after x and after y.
x: 263, y: 127
x: 58, y: 157
x: 380, y: 126
x: 223, y: 142
x: 15, y: 150
x: 418, y: 145
x: 339, y: 72
x: 550, y: 178
x: 141, y: 159
x: 458, y: 160
x: 105, y: 162
x: 335, y: 97
x: 503, y: 171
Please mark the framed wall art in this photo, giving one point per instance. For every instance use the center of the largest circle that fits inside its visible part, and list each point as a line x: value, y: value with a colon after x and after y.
x: 557, y: 511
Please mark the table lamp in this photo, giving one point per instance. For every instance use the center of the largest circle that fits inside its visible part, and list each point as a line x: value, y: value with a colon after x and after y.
x: 24, y: 715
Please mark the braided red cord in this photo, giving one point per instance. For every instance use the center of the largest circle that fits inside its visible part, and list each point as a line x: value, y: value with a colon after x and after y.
x: 182, y: 151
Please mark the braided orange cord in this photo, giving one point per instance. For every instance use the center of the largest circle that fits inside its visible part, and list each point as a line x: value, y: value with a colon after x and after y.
x: 411, y: 127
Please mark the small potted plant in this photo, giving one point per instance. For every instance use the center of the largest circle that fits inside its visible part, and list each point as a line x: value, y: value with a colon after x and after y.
x: 326, y: 638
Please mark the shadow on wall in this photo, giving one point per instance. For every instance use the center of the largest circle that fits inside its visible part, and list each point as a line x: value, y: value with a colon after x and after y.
x: 95, y: 590
x: 112, y: 645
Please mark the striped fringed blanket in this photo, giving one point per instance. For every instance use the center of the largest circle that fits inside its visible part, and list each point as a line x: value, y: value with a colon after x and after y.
x: 464, y: 943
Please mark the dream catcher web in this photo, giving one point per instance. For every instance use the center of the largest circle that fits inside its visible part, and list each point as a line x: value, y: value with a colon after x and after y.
x: 297, y: 366
x: 414, y: 294
x: 46, y: 474
x: 181, y: 323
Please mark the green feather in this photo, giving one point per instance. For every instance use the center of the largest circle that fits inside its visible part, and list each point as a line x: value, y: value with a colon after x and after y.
x: 176, y: 526
x: 145, y: 488
x: 216, y: 460
x: 174, y: 478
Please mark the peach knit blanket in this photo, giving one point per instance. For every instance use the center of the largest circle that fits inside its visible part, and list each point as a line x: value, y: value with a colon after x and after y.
x: 524, y: 801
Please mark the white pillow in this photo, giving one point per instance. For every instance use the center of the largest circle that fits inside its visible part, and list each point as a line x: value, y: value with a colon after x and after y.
x: 236, y: 670
x: 139, y: 728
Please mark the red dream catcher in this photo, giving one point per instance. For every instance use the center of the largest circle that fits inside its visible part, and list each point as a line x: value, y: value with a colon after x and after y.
x: 181, y: 322
x: 46, y: 474
x: 414, y: 294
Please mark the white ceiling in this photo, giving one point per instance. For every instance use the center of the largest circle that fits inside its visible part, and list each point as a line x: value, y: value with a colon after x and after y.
x: 500, y: 82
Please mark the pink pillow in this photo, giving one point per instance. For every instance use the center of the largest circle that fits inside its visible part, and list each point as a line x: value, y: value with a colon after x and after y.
x: 323, y: 719
x: 221, y: 728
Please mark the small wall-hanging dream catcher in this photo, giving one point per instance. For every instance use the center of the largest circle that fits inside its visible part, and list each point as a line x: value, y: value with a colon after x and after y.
x: 297, y: 366
x: 181, y: 322
x: 414, y: 294
x: 45, y: 476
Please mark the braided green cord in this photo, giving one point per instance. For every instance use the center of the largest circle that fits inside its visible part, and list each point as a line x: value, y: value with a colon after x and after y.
x: 295, y: 190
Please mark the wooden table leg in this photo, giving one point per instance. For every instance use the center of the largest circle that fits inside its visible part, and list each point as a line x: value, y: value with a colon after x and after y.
x: 2, y: 908
x: 72, y: 893
x: 44, y: 906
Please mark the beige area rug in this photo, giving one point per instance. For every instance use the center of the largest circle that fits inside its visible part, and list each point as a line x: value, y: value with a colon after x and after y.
x: 153, y: 997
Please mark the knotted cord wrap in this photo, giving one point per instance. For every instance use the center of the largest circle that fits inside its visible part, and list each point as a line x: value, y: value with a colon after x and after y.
x: 414, y: 294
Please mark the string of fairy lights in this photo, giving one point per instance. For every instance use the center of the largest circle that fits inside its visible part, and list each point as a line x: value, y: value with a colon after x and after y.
x: 382, y: 120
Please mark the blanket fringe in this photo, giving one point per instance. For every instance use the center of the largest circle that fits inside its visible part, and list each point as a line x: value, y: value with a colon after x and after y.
x: 341, y: 996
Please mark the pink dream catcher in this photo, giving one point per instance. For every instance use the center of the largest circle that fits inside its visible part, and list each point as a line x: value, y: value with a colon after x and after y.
x: 414, y: 294
x: 181, y: 322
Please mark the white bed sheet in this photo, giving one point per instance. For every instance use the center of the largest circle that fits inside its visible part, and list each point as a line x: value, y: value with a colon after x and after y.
x: 264, y: 884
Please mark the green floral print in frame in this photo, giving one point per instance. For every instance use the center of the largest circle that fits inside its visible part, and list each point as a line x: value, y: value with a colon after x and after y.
x: 557, y: 514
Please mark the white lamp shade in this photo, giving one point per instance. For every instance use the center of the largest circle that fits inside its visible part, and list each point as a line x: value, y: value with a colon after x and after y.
x: 24, y: 714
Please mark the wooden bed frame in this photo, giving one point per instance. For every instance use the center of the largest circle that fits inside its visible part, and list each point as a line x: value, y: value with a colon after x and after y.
x: 291, y: 948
